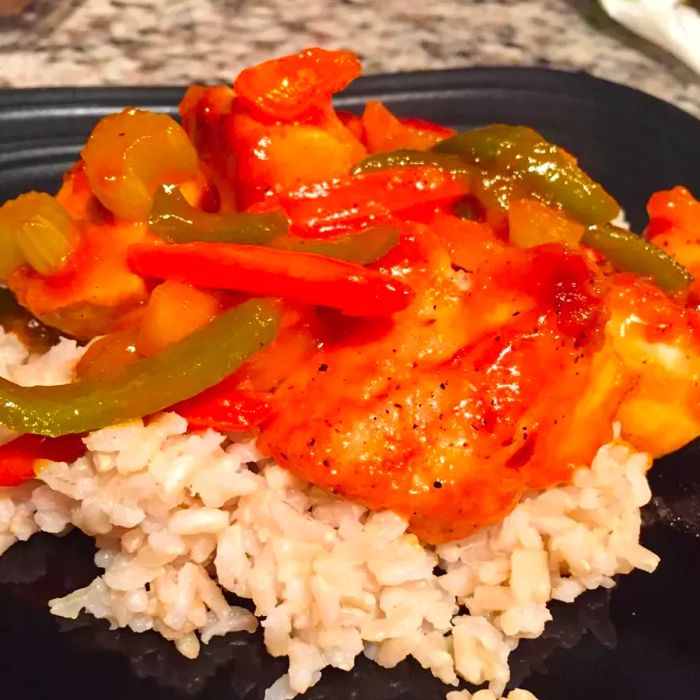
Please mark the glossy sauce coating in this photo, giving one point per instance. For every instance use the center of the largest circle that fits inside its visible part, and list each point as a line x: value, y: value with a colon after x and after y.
x: 499, y: 353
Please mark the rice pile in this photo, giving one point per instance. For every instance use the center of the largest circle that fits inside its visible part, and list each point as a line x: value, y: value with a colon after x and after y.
x: 178, y: 517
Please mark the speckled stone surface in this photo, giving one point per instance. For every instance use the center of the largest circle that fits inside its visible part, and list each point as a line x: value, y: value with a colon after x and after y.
x: 88, y: 42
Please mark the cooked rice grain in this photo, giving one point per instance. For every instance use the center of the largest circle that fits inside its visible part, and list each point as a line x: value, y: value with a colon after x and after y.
x: 178, y: 517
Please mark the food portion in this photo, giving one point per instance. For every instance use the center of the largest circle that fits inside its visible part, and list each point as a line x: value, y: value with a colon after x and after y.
x: 298, y: 340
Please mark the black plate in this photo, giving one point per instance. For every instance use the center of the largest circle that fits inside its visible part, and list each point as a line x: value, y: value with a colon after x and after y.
x: 640, y: 641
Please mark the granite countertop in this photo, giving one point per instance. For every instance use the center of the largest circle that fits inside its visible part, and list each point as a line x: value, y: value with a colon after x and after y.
x: 88, y: 42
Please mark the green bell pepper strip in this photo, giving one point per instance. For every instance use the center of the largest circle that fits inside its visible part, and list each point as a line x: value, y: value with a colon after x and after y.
x: 173, y: 219
x: 631, y: 253
x: 525, y: 155
x: 407, y: 157
x: 182, y: 370
x: 364, y: 247
x: 492, y: 190
x: 488, y: 143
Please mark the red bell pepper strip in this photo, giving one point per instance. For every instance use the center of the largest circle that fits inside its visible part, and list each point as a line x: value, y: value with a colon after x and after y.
x: 329, y: 208
x: 226, y: 408
x: 18, y: 458
x: 424, y: 125
x: 305, y: 277
x: 285, y: 88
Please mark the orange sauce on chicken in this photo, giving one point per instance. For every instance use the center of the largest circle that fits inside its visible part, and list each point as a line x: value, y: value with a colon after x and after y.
x: 495, y: 382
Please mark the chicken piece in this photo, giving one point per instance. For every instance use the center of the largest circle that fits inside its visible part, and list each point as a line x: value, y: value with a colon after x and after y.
x: 658, y: 342
x: 448, y: 416
x: 451, y: 447
x: 277, y: 128
x: 493, y: 383
x: 96, y: 294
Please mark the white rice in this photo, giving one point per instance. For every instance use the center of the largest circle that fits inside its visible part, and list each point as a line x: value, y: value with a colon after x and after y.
x: 179, y: 518
x: 484, y: 694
